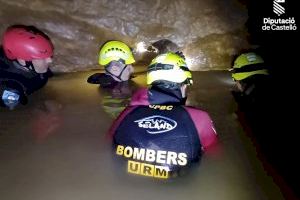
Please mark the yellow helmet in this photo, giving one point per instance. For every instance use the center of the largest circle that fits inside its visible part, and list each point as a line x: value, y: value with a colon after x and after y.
x: 114, y: 51
x: 169, y: 67
x: 246, y: 65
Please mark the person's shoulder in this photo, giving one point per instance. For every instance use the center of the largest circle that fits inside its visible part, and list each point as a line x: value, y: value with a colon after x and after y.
x: 195, y: 110
x: 140, y: 97
x: 204, y: 125
x: 197, y: 113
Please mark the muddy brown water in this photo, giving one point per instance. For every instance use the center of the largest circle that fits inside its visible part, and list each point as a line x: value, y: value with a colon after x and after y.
x: 55, y: 148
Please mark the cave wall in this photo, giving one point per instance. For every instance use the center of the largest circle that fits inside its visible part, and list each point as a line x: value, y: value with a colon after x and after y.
x: 208, y: 32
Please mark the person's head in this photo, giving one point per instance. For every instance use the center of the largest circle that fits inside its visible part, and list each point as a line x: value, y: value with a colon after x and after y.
x: 246, y: 68
x: 115, y: 56
x: 169, y: 71
x: 247, y: 65
x: 29, y: 46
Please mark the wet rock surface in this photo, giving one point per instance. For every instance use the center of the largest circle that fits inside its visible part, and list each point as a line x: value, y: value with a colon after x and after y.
x: 208, y: 32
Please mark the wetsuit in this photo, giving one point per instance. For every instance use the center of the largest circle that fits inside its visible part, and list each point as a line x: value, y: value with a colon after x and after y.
x: 255, y: 94
x: 19, y: 79
x: 160, y: 139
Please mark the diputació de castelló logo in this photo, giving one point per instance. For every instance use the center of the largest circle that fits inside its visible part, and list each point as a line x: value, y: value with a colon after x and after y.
x: 279, y: 24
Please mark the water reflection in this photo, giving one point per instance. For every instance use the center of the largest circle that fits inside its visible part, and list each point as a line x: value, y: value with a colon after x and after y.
x: 46, y: 119
x: 75, y: 162
x: 115, y: 98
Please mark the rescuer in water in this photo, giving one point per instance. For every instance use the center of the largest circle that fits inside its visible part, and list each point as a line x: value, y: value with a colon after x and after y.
x: 252, y: 80
x: 115, y: 85
x: 25, y: 55
x: 116, y: 57
x: 157, y: 135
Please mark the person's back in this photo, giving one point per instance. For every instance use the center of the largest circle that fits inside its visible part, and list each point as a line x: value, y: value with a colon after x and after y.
x: 157, y: 135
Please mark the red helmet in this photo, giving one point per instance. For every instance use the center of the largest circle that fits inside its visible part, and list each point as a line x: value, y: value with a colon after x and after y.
x: 23, y: 43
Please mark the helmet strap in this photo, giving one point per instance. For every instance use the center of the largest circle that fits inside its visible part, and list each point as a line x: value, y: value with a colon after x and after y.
x: 118, y: 77
x: 247, y: 85
x: 20, y: 65
x: 21, y: 62
x: 30, y: 66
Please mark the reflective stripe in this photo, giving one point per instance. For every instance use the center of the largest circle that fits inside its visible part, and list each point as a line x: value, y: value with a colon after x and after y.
x: 174, y: 75
x: 241, y: 76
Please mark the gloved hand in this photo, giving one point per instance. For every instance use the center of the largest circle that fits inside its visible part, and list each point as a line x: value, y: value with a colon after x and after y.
x: 10, y: 98
x: 102, y: 79
x: 95, y: 78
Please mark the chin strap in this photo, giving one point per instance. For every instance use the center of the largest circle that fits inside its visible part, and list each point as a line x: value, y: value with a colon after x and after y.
x: 29, y: 66
x: 119, y: 76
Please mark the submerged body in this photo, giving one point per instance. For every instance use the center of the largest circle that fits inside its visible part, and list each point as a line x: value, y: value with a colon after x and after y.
x: 74, y: 161
x: 167, y: 136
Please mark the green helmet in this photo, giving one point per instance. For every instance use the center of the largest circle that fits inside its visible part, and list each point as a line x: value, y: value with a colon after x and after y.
x: 114, y: 51
x: 169, y: 67
x: 246, y: 65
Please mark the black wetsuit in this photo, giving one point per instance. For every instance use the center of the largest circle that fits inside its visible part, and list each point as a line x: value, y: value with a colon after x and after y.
x: 15, y: 77
x: 254, y: 106
x: 157, y: 124
x: 263, y: 115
